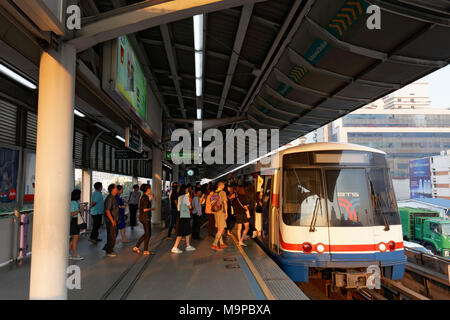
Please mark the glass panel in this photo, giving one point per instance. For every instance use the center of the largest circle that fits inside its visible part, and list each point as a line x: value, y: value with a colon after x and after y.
x: 348, y: 198
x: 446, y: 229
x: 302, y: 197
x: 383, y: 197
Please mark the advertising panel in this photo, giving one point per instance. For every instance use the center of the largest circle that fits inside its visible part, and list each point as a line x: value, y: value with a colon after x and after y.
x: 30, y: 166
x: 420, y: 178
x: 9, y: 166
x: 130, y: 79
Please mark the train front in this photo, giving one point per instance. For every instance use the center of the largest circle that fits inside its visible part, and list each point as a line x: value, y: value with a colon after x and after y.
x: 339, y: 217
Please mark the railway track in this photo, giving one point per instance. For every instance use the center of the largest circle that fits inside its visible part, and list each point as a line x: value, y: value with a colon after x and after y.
x: 427, y: 277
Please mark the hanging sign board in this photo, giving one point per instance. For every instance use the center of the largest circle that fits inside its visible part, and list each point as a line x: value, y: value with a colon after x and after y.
x: 131, y: 155
x: 133, y: 140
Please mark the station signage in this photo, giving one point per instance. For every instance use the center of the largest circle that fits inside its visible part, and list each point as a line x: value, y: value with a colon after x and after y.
x: 131, y: 155
x: 133, y: 140
x: 181, y: 155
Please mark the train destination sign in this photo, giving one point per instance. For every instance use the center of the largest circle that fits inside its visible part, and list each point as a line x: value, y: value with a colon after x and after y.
x: 131, y: 155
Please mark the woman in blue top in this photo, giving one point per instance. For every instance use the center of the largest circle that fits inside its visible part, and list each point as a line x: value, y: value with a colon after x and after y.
x: 122, y: 220
x: 75, y: 209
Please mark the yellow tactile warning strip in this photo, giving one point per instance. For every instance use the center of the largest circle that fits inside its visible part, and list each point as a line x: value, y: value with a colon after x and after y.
x: 254, y: 271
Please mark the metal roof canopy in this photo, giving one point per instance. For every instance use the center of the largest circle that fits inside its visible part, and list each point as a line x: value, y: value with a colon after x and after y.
x: 289, y: 64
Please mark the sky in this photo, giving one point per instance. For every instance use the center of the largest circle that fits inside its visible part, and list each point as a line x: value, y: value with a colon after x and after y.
x: 439, y: 88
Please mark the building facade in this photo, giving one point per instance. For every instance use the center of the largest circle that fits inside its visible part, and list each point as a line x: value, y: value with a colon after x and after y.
x: 440, y: 175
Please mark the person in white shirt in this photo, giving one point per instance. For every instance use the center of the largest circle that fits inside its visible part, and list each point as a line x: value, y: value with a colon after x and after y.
x: 183, y: 226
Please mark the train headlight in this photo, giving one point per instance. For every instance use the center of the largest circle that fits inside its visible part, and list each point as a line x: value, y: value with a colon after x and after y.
x: 382, y: 247
x: 320, y: 248
x: 391, y: 245
x: 307, y: 247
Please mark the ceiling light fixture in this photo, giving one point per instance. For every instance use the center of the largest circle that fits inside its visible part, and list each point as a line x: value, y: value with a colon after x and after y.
x: 198, y: 47
x: 17, y: 77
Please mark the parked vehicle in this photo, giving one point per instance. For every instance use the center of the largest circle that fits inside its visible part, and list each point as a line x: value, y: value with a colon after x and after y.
x: 426, y: 228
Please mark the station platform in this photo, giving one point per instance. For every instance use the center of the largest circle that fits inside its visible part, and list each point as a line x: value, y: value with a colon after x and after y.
x: 233, y: 274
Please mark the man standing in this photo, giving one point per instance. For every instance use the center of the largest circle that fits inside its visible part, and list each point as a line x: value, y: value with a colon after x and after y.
x: 111, y: 220
x: 133, y: 202
x: 196, y: 214
x: 97, y: 209
x: 220, y: 209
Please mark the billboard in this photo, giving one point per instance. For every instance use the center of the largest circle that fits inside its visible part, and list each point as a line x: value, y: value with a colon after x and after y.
x: 30, y: 166
x: 420, y: 178
x: 9, y: 166
x: 130, y: 80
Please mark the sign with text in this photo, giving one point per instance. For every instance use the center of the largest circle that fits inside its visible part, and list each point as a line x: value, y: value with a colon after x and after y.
x: 131, y: 155
x: 9, y: 166
x: 420, y: 178
x: 133, y: 140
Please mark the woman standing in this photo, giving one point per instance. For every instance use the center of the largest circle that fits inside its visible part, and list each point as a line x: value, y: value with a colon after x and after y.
x: 183, y: 225
x: 145, y: 209
x: 122, y: 221
x: 258, y: 209
x: 240, y: 206
x: 173, y: 200
x: 133, y: 202
x: 75, y: 209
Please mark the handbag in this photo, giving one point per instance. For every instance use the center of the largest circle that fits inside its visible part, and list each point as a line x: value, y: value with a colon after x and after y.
x: 247, y: 212
x: 82, y: 225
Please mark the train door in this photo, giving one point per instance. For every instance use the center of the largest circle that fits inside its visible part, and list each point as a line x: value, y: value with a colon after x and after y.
x: 266, y: 208
x: 350, y: 215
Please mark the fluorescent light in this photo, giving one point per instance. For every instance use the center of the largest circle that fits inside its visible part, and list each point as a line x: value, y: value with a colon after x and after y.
x: 102, y: 127
x: 198, y: 87
x: 78, y: 113
x: 199, y: 114
x: 198, y: 64
x: 198, y: 32
x: 13, y: 75
x: 120, y: 138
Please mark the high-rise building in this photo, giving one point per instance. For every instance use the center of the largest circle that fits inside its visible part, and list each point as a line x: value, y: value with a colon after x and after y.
x: 404, y: 131
x: 440, y: 175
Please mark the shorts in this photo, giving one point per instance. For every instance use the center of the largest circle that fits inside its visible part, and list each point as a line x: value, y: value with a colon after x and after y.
x: 74, y: 230
x: 219, y: 217
x: 241, y: 218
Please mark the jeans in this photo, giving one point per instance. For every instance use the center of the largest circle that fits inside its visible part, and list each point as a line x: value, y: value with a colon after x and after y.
x: 111, y: 231
x: 133, y: 212
x: 146, y: 236
x: 196, y: 226
x: 173, y: 220
x: 96, y: 224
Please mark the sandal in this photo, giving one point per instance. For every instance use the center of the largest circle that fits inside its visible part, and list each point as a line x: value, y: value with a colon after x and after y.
x: 136, y: 249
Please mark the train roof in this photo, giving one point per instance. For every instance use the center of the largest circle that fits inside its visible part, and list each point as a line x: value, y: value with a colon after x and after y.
x: 329, y: 146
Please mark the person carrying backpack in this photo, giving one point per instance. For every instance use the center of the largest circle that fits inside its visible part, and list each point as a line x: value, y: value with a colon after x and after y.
x: 219, y: 206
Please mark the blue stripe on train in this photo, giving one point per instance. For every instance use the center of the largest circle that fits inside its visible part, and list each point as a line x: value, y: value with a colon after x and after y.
x: 296, y: 265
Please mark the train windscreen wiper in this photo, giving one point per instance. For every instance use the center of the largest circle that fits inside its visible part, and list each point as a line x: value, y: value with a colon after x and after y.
x: 312, y: 226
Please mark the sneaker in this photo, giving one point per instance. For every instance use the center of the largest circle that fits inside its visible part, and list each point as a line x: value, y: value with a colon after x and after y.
x: 255, y: 234
x: 224, y: 246
x: 242, y: 244
x: 77, y: 258
x: 216, y: 248
x: 176, y: 250
x: 190, y: 248
x: 112, y: 254
x: 247, y: 238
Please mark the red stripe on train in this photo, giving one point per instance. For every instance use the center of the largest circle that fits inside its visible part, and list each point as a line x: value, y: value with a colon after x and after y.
x: 337, y: 247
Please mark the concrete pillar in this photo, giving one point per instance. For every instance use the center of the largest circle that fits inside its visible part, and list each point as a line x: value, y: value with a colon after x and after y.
x: 156, y: 185
x: 53, y: 174
x: 86, y: 186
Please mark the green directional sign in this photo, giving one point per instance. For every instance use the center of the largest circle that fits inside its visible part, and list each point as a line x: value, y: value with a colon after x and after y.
x: 181, y: 155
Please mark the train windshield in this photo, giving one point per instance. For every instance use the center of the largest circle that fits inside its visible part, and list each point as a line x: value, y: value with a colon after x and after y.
x: 348, y: 198
x: 446, y: 229
x: 303, y: 197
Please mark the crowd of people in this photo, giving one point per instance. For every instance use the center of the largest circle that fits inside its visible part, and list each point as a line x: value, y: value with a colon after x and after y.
x: 222, y: 206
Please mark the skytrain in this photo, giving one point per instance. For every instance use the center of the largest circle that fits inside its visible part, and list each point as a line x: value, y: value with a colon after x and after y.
x: 329, y: 211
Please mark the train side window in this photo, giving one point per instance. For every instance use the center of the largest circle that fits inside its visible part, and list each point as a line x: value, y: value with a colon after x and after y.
x: 383, y: 196
x: 348, y: 198
x: 303, y: 197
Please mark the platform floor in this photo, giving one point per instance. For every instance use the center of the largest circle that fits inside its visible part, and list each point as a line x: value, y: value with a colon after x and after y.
x: 202, y: 274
